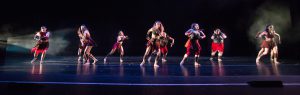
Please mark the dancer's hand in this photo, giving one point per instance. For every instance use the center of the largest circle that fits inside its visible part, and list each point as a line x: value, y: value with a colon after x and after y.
x: 172, y: 44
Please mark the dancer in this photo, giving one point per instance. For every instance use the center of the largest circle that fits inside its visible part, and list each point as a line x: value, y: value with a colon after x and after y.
x: 42, y: 44
x: 267, y: 42
x: 217, y: 44
x: 153, y: 42
x: 164, y: 40
x: 118, y: 46
x: 194, y: 34
x: 81, y: 45
x: 89, y: 44
x: 274, y: 50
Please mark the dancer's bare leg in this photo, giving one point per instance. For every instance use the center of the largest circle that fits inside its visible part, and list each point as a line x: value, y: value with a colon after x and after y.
x: 35, y: 55
x: 79, y: 53
x: 121, y: 54
x: 220, y: 56
x: 43, y: 57
x: 258, y: 54
x: 183, y: 59
x: 157, y: 58
x: 150, y: 56
x: 196, y: 60
x: 213, y: 53
x: 110, y: 53
x: 164, y: 56
x: 265, y: 52
x: 275, y: 53
x: 148, y: 49
x: 89, y: 55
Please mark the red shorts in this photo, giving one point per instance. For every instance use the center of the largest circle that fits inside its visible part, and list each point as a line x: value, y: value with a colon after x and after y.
x: 38, y: 51
x: 116, y: 46
x: 164, y: 50
x: 217, y: 47
x: 193, y: 46
x: 266, y: 44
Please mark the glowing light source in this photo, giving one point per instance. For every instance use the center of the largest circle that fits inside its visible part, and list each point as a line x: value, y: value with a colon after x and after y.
x: 23, y: 44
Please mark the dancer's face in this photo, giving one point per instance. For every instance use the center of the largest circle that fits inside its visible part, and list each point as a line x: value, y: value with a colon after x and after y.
x: 121, y: 33
x: 157, y: 25
x: 82, y: 27
x: 43, y: 29
x: 271, y: 27
x: 218, y: 31
x: 197, y: 27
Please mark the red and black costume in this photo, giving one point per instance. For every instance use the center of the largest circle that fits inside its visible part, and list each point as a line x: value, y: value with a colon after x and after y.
x: 42, y: 44
x: 153, y: 39
x: 119, y: 42
x: 267, y: 40
x: 164, y: 41
x: 193, y: 42
x: 218, y: 42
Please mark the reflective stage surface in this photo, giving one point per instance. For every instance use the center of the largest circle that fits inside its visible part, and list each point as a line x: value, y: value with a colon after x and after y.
x: 67, y: 72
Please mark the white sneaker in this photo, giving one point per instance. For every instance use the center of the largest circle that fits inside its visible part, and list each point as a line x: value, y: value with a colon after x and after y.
x: 219, y: 60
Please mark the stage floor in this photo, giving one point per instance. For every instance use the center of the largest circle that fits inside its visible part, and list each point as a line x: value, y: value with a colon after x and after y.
x: 232, y: 71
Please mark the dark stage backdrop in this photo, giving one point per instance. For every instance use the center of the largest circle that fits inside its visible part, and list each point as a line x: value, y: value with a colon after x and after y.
x: 239, y: 19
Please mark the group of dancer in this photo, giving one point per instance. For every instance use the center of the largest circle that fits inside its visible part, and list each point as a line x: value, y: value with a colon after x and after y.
x: 158, y: 42
x: 270, y: 41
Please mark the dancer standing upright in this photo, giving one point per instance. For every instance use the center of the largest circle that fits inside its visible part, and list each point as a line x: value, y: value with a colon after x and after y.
x: 164, y: 41
x: 274, y: 50
x: 194, y: 34
x: 267, y: 41
x: 153, y: 43
x: 42, y: 44
x: 217, y: 44
x: 89, y: 44
x: 81, y: 45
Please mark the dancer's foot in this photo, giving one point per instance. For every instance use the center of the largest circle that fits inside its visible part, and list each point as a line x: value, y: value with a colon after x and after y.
x: 155, y: 64
x: 87, y: 62
x: 32, y: 61
x: 276, y: 61
x: 181, y: 62
x: 104, y: 60
x: 95, y: 60
x: 211, y: 59
x: 257, y: 60
x: 219, y: 60
x: 163, y: 60
x: 84, y: 61
x: 143, y: 63
x: 78, y: 58
x: 149, y: 59
x: 196, y: 64
x: 121, y: 60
